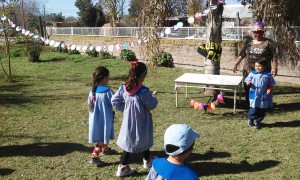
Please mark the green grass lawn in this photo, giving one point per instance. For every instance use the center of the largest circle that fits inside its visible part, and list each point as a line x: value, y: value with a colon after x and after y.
x: 44, y: 125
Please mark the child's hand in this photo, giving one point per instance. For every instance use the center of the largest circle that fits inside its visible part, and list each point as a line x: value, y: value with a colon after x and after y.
x: 268, y: 91
x: 248, y: 83
x: 154, y: 93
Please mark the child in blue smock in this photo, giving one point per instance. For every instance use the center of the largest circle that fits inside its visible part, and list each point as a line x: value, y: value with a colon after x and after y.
x: 261, y: 84
x: 179, y: 140
x: 101, y: 115
x: 136, y: 133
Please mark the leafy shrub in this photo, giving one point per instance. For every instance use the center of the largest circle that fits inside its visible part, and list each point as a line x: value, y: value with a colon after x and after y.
x: 164, y: 59
x: 74, y: 51
x: 92, y: 53
x: 33, y: 48
x: 105, y: 55
x: 60, y: 48
x: 127, y: 55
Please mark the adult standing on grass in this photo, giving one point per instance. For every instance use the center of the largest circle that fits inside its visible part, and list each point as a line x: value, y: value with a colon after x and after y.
x: 136, y: 133
x: 101, y: 115
x: 260, y: 48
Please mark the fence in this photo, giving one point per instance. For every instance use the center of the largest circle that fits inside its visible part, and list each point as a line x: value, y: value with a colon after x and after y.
x: 228, y: 33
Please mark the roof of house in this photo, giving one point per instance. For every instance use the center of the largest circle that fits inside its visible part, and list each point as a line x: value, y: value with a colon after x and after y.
x: 230, y: 11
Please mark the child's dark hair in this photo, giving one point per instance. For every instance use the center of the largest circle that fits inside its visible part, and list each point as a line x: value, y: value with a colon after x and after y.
x: 262, y: 62
x: 170, y: 148
x: 99, y: 73
x: 137, y: 69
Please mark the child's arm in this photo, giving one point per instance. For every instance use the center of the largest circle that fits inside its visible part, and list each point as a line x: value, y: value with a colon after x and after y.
x: 117, y: 101
x: 248, y: 79
x: 149, y: 100
x: 269, y: 90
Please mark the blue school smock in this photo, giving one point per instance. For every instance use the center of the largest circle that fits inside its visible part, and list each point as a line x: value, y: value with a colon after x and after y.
x: 162, y: 169
x: 101, y: 120
x: 260, y: 82
x: 136, y: 133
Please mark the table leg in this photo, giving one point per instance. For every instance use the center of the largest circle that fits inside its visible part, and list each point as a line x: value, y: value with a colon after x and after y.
x: 240, y: 87
x: 176, y: 98
x: 234, y: 102
x: 186, y: 91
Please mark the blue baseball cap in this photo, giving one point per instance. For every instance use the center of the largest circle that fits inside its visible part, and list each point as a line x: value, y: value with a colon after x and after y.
x: 180, y: 135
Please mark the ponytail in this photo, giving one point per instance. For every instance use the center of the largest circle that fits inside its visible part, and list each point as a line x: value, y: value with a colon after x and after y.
x: 137, y: 70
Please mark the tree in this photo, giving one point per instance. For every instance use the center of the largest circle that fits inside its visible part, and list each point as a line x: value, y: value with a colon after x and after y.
x: 57, y: 17
x: 151, y: 18
x: 7, y: 8
x: 214, y: 39
x: 114, y: 10
x: 89, y: 15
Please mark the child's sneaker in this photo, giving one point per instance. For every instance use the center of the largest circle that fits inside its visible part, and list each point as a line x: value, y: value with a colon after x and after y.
x: 250, y: 123
x: 148, y: 164
x: 108, y: 151
x: 124, y: 171
x: 258, y: 125
x: 96, y: 161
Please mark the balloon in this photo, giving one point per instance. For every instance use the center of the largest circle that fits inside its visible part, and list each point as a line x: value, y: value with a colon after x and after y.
x: 47, y: 41
x: 73, y: 47
x: 168, y: 31
x: 52, y: 42
x: 98, y: 48
x: 18, y: 28
x: 175, y: 27
x: 84, y: 48
x: 3, y: 18
x: 111, y: 47
x: 201, y: 106
x: 198, y: 15
x: 35, y: 36
x: 191, y: 20
x: 78, y: 48
x: 196, y: 105
x: 91, y: 48
x: 118, y: 47
x: 57, y: 44
x: 27, y: 33
x: 192, y: 103
x: 179, y: 24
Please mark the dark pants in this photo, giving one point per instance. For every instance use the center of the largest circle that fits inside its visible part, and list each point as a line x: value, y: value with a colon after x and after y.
x: 257, y: 114
x: 125, y: 156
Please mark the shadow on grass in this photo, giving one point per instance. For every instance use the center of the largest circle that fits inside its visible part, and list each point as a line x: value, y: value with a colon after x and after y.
x: 295, y: 123
x: 216, y: 168
x: 42, y: 149
x: 56, y: 59
x: 286, y: 90
x: 10, y: 95
x: 6, y: 171
x: 287, y: 107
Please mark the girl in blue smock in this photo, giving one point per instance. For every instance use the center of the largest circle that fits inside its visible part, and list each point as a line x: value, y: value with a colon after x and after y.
x: 136, y: 133
x: 101, y: 115
x: 261, y: 83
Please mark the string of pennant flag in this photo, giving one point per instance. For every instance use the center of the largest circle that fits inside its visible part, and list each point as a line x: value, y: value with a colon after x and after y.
x: 110, y: 48
x: 211, y: 106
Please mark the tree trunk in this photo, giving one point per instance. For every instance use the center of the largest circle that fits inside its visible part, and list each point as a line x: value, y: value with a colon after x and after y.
x: 214, y: 39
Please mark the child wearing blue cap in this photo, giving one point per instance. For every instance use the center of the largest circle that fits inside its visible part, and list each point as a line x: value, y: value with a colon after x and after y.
x: 179, y: 140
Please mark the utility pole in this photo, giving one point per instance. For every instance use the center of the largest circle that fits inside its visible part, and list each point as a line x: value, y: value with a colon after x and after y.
x: 23, y: 15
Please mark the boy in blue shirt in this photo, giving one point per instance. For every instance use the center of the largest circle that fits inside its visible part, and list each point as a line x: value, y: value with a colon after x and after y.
x: 179, y: 140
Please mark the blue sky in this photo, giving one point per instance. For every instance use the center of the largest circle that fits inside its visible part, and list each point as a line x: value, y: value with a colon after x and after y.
x: 67, y: 7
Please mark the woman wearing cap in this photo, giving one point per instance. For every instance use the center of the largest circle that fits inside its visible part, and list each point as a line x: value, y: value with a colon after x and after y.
x: 179, y: 140
x: 260, y: 48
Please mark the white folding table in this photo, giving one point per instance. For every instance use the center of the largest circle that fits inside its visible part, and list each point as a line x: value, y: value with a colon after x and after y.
x: 220, y: 82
